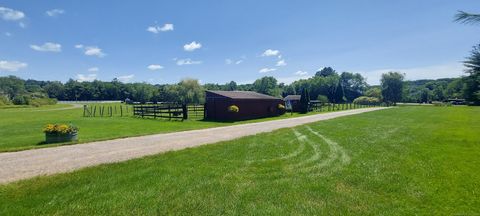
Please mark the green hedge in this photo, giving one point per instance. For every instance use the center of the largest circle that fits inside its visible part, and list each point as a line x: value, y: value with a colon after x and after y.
x: 364, y: 100
x: 33, y: 100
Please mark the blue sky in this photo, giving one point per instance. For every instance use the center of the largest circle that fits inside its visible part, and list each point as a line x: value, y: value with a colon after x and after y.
x: 219, y: 41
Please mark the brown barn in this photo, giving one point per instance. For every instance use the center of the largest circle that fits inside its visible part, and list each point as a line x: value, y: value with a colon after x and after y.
x: 251, y: 105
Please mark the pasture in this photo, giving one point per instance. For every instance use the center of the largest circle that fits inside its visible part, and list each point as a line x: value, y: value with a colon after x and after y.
x: 401, y: 161
x: 21, y: 127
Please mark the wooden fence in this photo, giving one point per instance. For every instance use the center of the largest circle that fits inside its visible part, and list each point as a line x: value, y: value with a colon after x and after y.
x: 169, y: 111
x: 106, y: 110
x: 196, y: 111
x: 321, y: 107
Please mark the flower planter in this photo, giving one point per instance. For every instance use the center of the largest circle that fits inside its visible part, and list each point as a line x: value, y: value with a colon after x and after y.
x: 59, y: 137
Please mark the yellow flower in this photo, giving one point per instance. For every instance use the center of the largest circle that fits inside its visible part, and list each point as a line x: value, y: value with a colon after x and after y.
x: 60, y: 128
x: 49, y: 128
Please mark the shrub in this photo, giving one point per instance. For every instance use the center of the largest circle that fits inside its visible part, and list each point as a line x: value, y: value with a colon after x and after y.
x: 281, y: 106
x: 364, y: 100
x: 4, y: 100
x: 41, y: 101
x: 322, y: 99
x: 19, y: 100
x: 60, y: 129
x: 233, y: 109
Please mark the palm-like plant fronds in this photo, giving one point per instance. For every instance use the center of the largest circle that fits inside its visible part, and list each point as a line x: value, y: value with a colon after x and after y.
x: 467, y: 18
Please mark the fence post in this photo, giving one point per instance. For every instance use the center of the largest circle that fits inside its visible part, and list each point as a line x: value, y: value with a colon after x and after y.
x: 169, y: 113
x: 84, y: 108
x: 121, y: 111
x: 185, y: 111
x: 155, y: 111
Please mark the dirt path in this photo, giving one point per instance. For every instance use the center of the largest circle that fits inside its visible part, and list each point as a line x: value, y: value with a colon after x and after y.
x: 30, y: 163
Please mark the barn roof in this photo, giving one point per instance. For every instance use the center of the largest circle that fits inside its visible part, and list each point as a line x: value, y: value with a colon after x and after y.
x: 292, y: 97
x: 243, y: 95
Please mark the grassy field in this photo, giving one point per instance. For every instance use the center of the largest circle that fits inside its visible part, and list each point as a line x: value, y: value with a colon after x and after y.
x: 401, y: 161
x: 21, y: 128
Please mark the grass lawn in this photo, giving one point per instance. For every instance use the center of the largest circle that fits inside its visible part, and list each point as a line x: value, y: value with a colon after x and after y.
x: 401, y: 161
x: 21, y: 128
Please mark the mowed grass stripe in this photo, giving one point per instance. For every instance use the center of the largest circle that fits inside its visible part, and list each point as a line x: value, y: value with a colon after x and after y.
x: 408, y: 160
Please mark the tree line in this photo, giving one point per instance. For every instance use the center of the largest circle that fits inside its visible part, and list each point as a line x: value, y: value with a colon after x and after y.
x: 327, y: 85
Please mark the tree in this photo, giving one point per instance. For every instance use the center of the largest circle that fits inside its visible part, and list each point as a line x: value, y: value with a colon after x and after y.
x: 288, y: 90
x: 454, y: 89
x: 267, y: 85
x: 326, y: 71
x: 322, y: 99
x: 392, y: 87
x: 55, y: 90
x: 12, y: 86
x: 374, y: 92
x: 304, y: 101
x: 472, y: 81
x: 231, y: 86
x: 353, y: 85
x: 339, y: 96
x: 190, y: 91
x: 467, y: 18
x: 425, y: 96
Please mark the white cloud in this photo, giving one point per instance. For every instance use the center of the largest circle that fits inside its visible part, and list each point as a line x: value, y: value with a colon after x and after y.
x: 155, y: 67
x: 158, y: 29
x: 94, y: 51
x: 266, y: 70
x: 47, y: 47
x: 301, y: 73
x: 11, y: 14
x: 12, y: 66
x: 192, y: 46
x: 126, y: 78
x: 281, y: 63
x: 22, y: 25
x: 167, y: 27
x: 86, y: 78
x: 447, y: 70
x: 91, y: 50
x: 230, y: 61
x: 270, y: 52
x: 8, y: 34
x: 54, y: 12
x: 187, y: 62
x: 93, y: 69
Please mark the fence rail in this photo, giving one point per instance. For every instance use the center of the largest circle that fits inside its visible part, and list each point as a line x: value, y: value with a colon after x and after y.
x: 196, y: 111
x: 170, y: 111
x: 319, y: 107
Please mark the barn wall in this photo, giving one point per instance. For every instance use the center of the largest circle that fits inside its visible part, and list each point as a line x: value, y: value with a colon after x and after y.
x: 217, y: 108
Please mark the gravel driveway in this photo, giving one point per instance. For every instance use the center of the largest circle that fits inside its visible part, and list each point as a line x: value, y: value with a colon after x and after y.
x: 46, y: 161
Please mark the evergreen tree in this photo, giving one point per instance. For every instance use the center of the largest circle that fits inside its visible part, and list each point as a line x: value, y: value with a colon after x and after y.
x: 304, y: 101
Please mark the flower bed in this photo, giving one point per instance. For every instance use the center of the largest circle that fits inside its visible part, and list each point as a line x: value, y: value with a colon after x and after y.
x: 55, y: 133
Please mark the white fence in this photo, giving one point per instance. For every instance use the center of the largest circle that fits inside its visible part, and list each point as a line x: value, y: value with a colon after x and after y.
x: 90, y: 101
